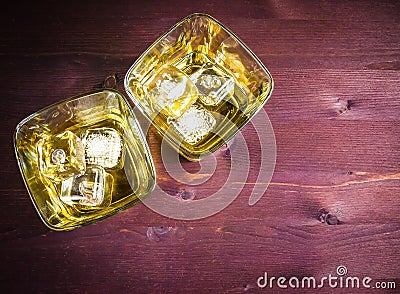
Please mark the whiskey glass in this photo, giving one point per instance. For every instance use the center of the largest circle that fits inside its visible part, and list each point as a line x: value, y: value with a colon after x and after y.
x: 83, y: 159
x: 198, y: 84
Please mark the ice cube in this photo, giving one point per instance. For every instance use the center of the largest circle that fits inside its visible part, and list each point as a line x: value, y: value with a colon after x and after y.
x: 61, y: 156
x: 213, y: 84
x: 103, y: 146
x: 171, y: 91
x: 92, y: 189
x: 194, y: 124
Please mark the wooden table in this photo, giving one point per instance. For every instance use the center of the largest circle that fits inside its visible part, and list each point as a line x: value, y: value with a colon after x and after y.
x: 335, y: 112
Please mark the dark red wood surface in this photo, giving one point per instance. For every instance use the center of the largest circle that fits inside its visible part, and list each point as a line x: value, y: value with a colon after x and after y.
x: 335, y: 112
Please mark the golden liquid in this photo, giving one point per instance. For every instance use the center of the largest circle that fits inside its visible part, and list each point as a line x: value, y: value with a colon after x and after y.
x: 124, y: 183
x: 229, y: 113
x: 225, y: 80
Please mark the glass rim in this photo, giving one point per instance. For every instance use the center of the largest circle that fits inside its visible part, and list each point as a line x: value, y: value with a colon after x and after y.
x: 33, y: 115
x: 171, y: 29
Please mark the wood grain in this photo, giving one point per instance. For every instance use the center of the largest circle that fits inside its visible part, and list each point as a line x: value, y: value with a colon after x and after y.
x: 335, y: 113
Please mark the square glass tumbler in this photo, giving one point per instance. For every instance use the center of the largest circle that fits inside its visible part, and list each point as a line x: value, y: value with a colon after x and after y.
x: 84, y: 159
x: 199, y: 85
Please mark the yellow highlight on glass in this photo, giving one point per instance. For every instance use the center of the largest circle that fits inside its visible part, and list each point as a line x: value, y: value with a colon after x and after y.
x: 199, y: 85
x: 84, y: 159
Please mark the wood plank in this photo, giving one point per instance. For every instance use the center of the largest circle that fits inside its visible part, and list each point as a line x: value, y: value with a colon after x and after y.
x: 148, y: 264
x: 335, y: 114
